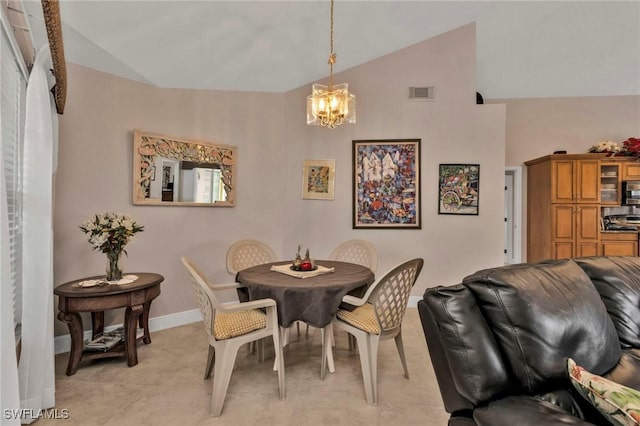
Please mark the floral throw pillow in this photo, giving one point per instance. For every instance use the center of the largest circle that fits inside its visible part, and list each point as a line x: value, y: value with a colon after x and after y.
x: 619, y: 404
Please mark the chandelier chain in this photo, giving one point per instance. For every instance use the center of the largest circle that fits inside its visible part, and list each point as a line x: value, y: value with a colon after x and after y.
x: 331, y: 36
x: 332, y: 55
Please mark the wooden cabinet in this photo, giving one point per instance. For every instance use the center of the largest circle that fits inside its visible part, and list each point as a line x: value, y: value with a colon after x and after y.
x: 575, y: 181
x: 631, y: 170
x: 565, y: 197
x: 563, y: 206
x: 575, y: 230
x: 619, y: 244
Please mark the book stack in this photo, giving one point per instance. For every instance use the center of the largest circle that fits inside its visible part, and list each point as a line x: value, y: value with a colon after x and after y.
x: 109, y: 339
x: 103, y: 343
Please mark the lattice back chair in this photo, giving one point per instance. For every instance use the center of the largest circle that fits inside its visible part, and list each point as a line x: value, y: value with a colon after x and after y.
x: 378, y: 316
x: 230, y: 326
x: 244, y: 254
x: 361, y: 252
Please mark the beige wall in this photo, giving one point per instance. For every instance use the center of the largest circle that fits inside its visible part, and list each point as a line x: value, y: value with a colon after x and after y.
x: 273, y: 140
x: 537, y: 127
x: 95, y: 175
x: 452, y: 129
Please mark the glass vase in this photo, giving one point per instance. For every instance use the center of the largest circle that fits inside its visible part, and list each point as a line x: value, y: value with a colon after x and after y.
x: 114, y: 266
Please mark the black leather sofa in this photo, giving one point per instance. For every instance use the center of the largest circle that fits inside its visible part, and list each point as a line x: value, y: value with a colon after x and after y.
x: 499, y: 341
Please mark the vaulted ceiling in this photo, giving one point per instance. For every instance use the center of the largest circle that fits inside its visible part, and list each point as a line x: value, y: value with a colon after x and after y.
x: 524, y: 48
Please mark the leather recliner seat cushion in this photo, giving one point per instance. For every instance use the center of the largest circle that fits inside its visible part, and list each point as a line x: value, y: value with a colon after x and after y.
x: 627, y: 371
x: 541, y: 314
x: 525, y: 410
x: 617, y: 279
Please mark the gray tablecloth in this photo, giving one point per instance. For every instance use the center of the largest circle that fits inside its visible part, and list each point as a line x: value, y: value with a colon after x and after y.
x: 313, y: 300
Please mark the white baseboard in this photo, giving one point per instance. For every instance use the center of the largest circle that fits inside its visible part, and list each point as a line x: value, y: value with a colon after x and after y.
x: 63, y: 343
x: 413, y: 301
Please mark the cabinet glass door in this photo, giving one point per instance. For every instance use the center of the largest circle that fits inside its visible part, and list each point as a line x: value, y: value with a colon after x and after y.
x: 610, y: 184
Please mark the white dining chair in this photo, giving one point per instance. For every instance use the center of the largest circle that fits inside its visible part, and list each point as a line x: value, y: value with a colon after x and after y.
x: 244, y: 254
x: 230, y: 326
x: 377, y: 316
x: 361, y: 252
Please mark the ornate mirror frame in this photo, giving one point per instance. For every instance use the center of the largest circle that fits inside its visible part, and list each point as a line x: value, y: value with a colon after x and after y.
x: 148, y: 148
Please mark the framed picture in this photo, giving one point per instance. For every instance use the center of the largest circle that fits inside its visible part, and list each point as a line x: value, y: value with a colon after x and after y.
x: 459, y: 189
x: 318, y: 179
x: 386, y: 183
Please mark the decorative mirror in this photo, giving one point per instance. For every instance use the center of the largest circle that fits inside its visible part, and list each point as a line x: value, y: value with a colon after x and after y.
x: 182, y: 172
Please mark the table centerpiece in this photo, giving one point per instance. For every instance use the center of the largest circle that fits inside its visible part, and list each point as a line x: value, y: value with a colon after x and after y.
x: 110, y: 233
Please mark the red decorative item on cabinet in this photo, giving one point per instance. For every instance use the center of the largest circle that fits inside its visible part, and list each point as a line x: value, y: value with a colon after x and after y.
x: 632, y: 146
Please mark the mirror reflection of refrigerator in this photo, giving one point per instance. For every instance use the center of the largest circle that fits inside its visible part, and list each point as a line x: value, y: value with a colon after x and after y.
x: 203, y: 185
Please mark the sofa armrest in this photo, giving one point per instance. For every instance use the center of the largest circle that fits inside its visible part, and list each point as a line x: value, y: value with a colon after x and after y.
x: 452, y: 400
x: 469, y: 356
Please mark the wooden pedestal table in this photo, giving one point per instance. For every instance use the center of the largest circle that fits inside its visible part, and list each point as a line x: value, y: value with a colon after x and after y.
x: 136, y: 297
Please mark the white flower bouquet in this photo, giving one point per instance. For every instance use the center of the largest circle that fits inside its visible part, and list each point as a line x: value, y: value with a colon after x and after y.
x: 607, y: 147
x: 110, y: 232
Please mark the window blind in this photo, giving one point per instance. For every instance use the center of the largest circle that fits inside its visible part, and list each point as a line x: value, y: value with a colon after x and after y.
x: 12, y: 97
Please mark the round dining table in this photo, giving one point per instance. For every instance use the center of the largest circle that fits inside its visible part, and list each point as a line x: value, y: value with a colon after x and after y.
x: 315, y: 299
x: 312, y: 299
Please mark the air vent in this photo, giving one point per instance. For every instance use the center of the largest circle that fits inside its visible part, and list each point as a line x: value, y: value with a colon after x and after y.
x: 421, y: 93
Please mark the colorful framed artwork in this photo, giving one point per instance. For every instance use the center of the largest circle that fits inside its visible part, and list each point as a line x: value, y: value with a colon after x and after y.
x: 386, y: 184
x: 318, y: 179
x: 459, y: 189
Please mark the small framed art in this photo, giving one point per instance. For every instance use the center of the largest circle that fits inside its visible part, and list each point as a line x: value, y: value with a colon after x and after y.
x: 386, y: 184
x: 318, y: 179
x: 459, y: 189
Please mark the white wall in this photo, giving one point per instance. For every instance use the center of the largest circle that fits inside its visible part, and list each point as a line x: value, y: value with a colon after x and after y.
x: 273, y: 140
x: 452, y: 129
x: 95, y: 175
x: 537, y: 127
x: 540, y: 126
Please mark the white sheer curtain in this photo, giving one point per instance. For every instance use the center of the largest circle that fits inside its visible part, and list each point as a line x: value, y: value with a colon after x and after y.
x: 9, y: 397
x: 36, y: 369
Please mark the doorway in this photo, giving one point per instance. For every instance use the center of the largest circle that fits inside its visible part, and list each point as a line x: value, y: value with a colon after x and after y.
x: 513, y: 215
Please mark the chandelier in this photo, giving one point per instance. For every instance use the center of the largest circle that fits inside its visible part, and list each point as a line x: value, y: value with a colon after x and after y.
x: 330, y: 106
